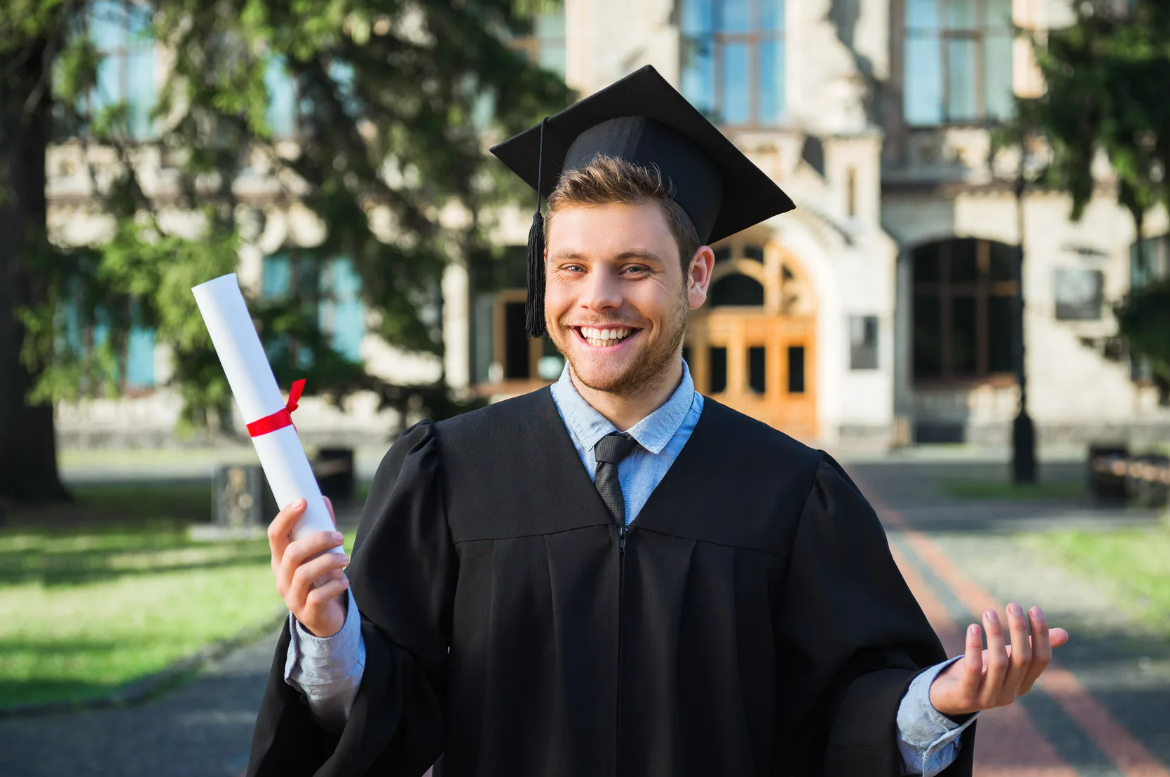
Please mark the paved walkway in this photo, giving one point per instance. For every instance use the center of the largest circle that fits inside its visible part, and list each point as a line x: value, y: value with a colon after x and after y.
x: 1103, y: 711
x: 1103, y: 708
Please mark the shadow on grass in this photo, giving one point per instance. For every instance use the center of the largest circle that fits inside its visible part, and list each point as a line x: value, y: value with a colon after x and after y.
x: 59, y: 568
x: 96, y: 505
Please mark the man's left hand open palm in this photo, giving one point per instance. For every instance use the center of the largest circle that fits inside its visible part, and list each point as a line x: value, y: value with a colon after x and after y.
x: 997, y: 676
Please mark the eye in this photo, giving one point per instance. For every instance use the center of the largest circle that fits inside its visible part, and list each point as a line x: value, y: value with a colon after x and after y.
x: 635, y: 269
x: 573, y: 268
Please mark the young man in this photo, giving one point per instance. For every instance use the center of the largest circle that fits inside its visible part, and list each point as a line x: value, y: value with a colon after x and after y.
x: 617, y: 576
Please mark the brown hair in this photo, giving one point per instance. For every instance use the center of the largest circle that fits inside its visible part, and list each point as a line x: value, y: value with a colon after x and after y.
x: 609, y: 179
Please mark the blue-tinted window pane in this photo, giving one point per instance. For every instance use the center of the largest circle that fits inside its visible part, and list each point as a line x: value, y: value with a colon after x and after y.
x: 771, y: 15
x: 274, y: 282
x: 345, y: 314
x: 107, y: 25
x: 552, y: 55
x: 997, y: 57
x: 551, y: 25
x: 342, y: 74
x: 108, y: 90
x: 960, y: 14
x: 999, y: 14
x: 282, y: 98
x: 961, y: 80
x: 735, y: 15
x: 697, y: 17
x: 138, y: 22
x: 737, y: 97
x: 772, y: 95
x: 922, y: 92
x: 140, y: 91
x: 698, y: 74
x: 922, y: 15
x: 140, y: 358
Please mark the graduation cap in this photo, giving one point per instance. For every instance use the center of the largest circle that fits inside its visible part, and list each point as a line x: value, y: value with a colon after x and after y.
x: 644, y: 120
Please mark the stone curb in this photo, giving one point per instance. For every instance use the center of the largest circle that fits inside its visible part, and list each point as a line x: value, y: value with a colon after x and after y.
x: 145, y: 688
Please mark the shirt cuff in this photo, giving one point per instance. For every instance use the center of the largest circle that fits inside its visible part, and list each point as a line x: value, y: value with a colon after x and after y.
x: 314, y: 661
x: 927, y: 739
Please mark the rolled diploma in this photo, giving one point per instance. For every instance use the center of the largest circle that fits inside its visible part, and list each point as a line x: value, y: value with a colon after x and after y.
x: 286, y: 467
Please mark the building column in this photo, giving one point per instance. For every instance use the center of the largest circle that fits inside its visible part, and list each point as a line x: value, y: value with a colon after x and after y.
x: 903, y: 351
x: 456, y: 326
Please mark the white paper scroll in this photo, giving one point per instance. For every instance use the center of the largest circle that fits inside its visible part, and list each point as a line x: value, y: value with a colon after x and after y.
x: 250, y: 376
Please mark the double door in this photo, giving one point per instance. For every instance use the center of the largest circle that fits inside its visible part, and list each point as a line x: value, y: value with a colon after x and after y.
x: 759, y: 364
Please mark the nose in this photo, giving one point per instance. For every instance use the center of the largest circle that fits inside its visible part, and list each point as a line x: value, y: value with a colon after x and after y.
x: 601, y: 291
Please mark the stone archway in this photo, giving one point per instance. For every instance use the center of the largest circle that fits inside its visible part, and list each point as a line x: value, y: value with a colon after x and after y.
x: 753, y: 345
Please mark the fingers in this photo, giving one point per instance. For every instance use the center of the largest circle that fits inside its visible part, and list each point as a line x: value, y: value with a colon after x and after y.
x: 1020, y: 659
x: 322, y: 594
x: 997, y: 660
x: 281, y: 526
x: 329, y: 505
x: 297, y: 553
x: 972, y: 676
x: 300, y: 590
x: 1041, y: 647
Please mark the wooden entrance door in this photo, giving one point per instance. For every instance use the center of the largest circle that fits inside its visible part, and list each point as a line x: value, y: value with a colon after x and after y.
x: 760, y: 365
x: 755, y: 348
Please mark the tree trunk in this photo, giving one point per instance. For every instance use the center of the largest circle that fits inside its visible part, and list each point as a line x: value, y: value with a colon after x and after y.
x: 28, y: 446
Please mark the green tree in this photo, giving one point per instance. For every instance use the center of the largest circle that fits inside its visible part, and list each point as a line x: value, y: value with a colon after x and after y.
x: 393, y: 100
x: 1106, y: 77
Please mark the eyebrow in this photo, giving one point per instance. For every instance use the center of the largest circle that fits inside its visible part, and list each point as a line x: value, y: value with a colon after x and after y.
x: 570, y: 254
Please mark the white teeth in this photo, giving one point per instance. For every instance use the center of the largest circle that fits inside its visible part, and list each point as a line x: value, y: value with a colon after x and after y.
x: 603, y: 337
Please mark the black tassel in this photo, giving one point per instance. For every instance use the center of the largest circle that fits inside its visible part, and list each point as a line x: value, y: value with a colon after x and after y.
x: 534, y: 310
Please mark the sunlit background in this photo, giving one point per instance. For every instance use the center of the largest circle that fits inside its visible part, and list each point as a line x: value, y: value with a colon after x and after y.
x: 970, y: 307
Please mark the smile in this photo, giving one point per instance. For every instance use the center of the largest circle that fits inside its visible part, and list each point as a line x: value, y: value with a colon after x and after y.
x: 604, y: 337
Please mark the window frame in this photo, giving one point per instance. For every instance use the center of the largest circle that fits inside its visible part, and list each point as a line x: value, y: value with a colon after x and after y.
x: 533, y: 44
x: 982, y: 30
x: 982, y: 289
x: 128, y: 45
x: 315, y: 294
x: 754, y: 39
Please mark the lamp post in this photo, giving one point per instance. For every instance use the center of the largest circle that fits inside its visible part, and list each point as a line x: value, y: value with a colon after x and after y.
x: 1023, y: 432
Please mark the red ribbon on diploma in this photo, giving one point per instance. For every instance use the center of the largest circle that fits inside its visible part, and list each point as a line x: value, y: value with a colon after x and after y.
x: 281, y: 418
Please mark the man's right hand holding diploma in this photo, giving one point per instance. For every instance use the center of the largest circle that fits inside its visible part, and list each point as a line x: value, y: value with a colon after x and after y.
x: 296, y: 565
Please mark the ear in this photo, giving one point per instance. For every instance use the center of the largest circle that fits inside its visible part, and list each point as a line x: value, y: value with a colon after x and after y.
x: 699, y: 276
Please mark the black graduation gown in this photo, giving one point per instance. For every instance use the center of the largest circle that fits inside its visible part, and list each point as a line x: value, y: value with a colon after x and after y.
x: 753, y: 624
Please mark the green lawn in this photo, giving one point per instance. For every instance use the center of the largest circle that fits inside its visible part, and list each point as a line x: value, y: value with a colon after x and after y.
x: 1133, y: 562
x: 111, y: 588
x: 1002, y: 489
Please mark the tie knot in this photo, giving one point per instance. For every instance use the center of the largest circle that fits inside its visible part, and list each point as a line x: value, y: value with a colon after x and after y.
x: 614, y: 447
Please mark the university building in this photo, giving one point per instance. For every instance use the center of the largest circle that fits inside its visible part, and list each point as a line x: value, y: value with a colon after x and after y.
x: 878, y: 313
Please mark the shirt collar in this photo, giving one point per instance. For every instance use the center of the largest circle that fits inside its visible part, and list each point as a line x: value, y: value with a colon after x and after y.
x: 653, y: 432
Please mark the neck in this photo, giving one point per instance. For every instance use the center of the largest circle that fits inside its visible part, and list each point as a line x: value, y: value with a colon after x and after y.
x: 625, y: 410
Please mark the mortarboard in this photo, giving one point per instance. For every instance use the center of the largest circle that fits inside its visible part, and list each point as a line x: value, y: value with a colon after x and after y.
x: 643, y: 119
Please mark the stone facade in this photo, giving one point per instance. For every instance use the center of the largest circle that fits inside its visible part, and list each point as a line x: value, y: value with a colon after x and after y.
x: 871, y: 188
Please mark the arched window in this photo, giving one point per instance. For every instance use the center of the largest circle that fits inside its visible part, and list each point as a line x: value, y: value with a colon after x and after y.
x: 965, y: 293
x: 733, y: 60
x: 737, y: 289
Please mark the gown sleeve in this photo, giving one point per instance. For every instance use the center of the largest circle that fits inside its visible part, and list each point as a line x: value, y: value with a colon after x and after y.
x: 851, y: 638
x: 402, y: 576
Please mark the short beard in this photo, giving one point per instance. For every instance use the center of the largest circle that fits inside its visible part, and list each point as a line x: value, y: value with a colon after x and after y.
x: 646, y: 373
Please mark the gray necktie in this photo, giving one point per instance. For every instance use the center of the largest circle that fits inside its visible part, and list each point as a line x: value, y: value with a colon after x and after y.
x: 609, y: 451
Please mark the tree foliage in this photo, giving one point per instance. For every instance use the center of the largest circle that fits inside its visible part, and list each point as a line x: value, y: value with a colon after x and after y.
x: 1105, y: 100
x: 388, y: 156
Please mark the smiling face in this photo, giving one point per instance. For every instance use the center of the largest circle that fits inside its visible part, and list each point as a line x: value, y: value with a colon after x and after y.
x: 617, y: 297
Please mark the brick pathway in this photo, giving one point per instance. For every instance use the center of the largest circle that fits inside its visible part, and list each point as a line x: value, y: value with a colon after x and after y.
x: 1103, y: 708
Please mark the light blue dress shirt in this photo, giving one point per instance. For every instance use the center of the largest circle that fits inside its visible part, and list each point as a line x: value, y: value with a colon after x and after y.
x: 328, y: 671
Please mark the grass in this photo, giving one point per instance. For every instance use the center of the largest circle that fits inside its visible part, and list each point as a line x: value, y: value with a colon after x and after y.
x: 1002, y: 489
x: 112, y: 589
x: 1133, y: 562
